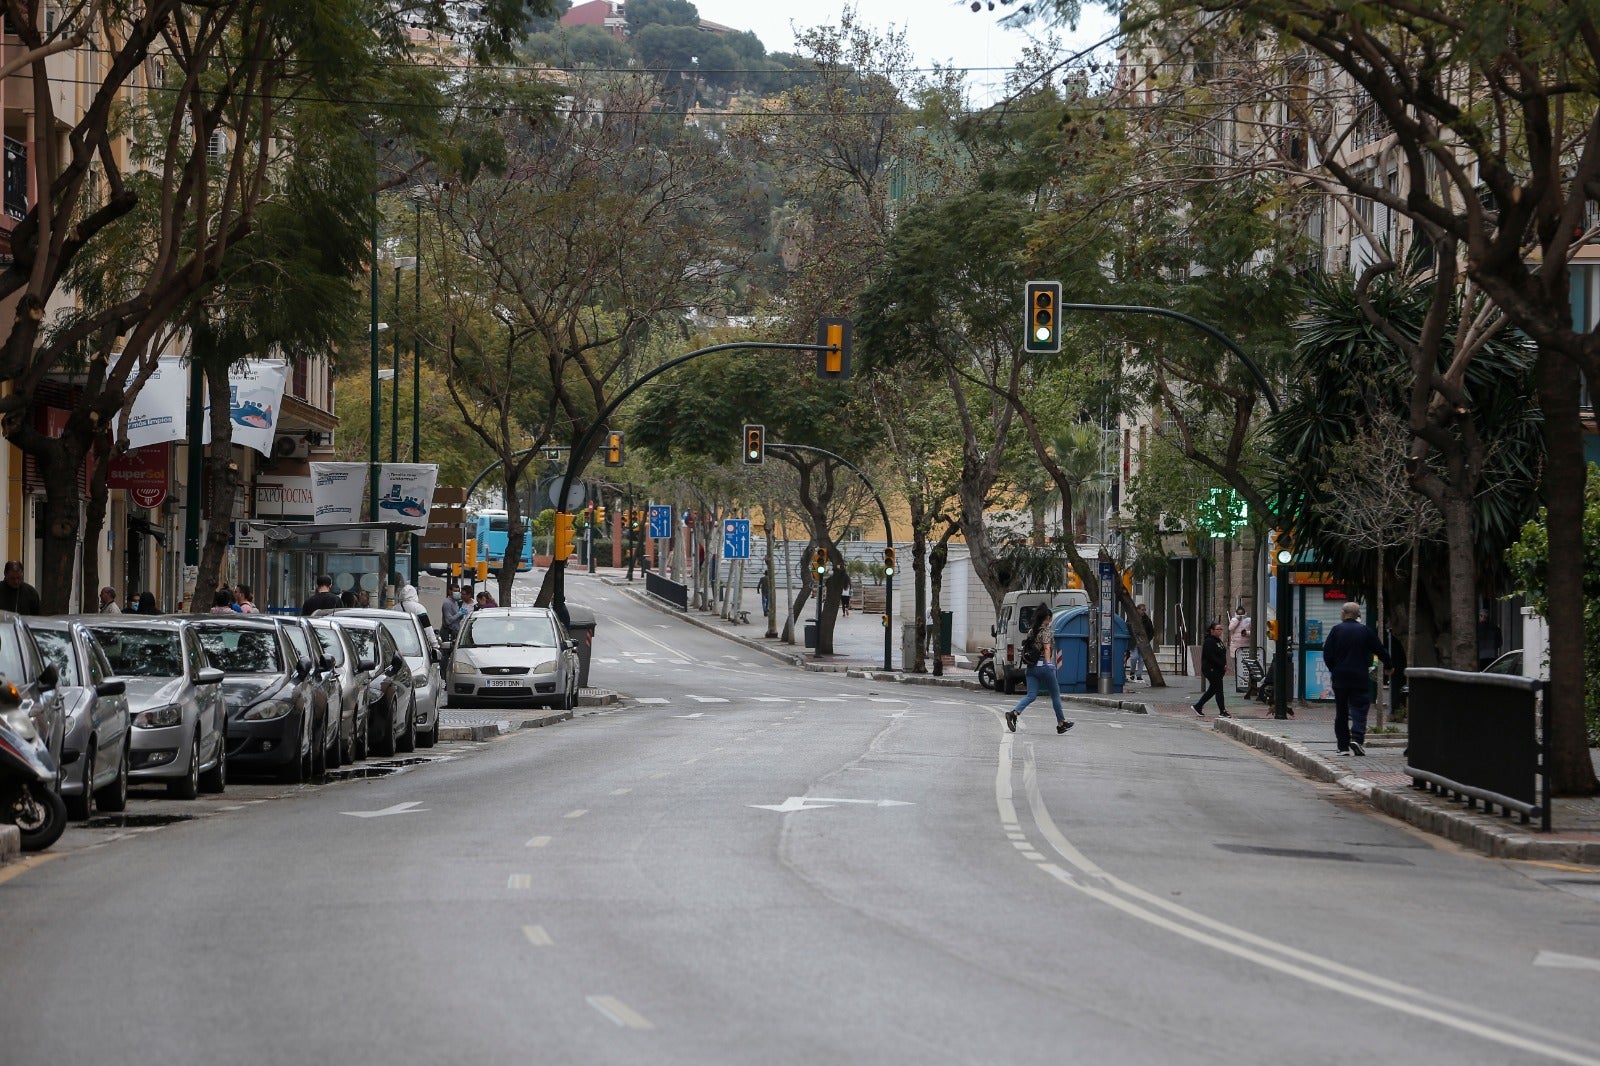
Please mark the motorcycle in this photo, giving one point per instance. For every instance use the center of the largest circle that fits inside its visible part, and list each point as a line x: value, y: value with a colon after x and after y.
x: 985, y: 667
x: 30, y: 798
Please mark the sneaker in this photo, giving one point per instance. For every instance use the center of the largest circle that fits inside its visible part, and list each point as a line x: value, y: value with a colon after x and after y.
x: 1011, y: 721
x: 1356, y: 748
x: 1223, y: 714
x: 1198, y: 711
x: 1062, y: 727
x: 1342, y: 752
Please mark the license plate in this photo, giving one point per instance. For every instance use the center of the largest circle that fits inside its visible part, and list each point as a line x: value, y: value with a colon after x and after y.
x: 508, y: 683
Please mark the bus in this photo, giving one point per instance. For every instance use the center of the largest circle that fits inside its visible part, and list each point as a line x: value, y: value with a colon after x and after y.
x: 490, y: 530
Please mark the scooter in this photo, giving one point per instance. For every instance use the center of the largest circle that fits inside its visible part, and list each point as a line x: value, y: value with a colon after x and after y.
x: 29, y: 796
x: 985, y: 667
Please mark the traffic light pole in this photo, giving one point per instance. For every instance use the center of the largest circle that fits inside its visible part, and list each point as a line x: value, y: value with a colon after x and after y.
x: 888, y: 532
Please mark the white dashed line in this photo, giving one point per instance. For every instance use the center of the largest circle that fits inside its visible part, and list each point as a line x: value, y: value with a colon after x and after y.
x: 579, y: 813
x: 537, y: 936
x: 621, y: 791
x: 624, y: 1016
x: 537, y: 842
x: 519, y: 881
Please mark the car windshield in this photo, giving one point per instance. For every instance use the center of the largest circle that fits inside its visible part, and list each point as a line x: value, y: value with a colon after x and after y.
x: 404, y: 632
x: 57, y: 648
x: 486, y: 632
x: 242, y: 651
x: 330, y: 644
x: 141, y: 652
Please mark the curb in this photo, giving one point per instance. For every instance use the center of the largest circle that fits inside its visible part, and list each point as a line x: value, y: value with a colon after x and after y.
x: 10, y: 843
x: 1489, y: 835
x: 482, y: 731
x: 490, y: 730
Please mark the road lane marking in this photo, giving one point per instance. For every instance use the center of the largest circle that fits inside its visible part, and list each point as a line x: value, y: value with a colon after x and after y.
x: 621, y: 791
x: 679, y: 662
x: 884, y: 699
x: 644, y: 662
x: 413, y: 807
x: 536, y: 936
x: 607, y: 662
x: 235, y: 807
x: 1565, y: 962
x: 825, y: 699
x: 622, y: 1015
x: 579, y: 813
x: 706, y: 699
x: 642, y: 635
x: 769, y: 699
x: 537, y: 842
x: 651, y: 699
x: 519, y: 881
x: 1096, y: 883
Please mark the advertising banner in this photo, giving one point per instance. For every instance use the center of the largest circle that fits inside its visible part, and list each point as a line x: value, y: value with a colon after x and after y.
x: 406, y: 492
x: 336, y: 492
x: 157, y: 414
x: 255, y: 393
x: 143, y: 472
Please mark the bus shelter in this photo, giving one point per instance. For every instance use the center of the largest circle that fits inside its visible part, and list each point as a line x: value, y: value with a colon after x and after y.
x: 354, y: 554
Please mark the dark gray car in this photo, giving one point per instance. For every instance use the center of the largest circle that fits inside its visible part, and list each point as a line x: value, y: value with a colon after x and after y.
x: 94, y: 749
x: 270, y: 690
x: 391, y: 717
x: 180, y: 722
x: 352, y: 681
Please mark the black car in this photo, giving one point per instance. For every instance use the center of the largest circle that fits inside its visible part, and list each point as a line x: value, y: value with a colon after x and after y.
x: 330, y: 693
x: 391, y: 702
x: 353, y: 681
x: 270, y: 691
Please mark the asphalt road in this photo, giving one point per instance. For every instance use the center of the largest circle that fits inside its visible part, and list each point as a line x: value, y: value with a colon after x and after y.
x: 748, y: 863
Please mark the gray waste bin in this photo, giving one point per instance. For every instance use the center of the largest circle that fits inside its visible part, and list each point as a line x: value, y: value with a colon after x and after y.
x: 581, y: 626
x: 811, y: 634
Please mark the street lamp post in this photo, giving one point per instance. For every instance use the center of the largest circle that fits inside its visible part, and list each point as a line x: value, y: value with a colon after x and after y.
x: 417, y: 197
x: 400, y: 263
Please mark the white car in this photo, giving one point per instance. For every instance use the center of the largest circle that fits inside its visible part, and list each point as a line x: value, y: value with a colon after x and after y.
x: 421, y: 655
x: 520, y: 656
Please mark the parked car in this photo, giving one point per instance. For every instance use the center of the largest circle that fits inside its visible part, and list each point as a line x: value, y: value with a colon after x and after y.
x: 516, y: 655
x: 422, y: 656
x: 94, y: 747
x: 1509, y: 664
x: 329, y: 697
x: 270, y: 691
x: 352, y: 680
x: 1017, y: 612
x: 180, y: 720
x: 391, y: 720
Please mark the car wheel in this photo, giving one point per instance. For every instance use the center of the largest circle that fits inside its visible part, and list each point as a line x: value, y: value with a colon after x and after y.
x: 408, y: 740
x: 215, y: 780
x: 187, y: 787
x: 383, y: 734
x: 78, y: 806
x: 319, y: 749
x: 358, y: 740
x: 114, y: 797
x: 298, y: 768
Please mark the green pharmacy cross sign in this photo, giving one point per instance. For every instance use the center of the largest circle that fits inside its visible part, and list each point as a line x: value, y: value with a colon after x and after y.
x: 1223, y: 513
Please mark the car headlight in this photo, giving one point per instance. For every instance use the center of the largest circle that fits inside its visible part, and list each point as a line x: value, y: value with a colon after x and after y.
x: 545, y: 667
x: 159, y: 717
x: 267, y: 709
x: 459, y: 665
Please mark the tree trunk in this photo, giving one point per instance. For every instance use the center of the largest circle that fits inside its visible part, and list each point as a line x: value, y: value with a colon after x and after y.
x: 1572, y: 770
x: 222, y: 482
x: 59, y: 462
x: 515, y: 531
x: 1378, y: 703
x: 1463, y: 580
x: 767, y: 530
x: 919, y: 595
x: 936, y: 560
x: 94, y: 523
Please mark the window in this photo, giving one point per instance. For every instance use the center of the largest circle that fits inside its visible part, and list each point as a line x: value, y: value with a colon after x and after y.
x: 404, y: 632
x: 503, y: 631
x: 56, y: 647
x: 242, y: 651
x: 140, y: 653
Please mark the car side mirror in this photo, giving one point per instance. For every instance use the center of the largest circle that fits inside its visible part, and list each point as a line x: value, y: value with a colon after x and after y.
x: 367, y: 664
x: 398, y: 663
x: 209, y: 676
x: 303, y: 665
x: 49, y: 677
x: 994, y: 631
x: 434, y: 656
x: 111, y: 686
x: 328, y: 663
x: 570, y: 644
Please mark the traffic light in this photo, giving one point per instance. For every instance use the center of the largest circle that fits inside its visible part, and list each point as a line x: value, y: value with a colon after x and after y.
x: 1043, y: 312
x: 888, y: 562
x: 614, y: 447
x: 563, y: 545
x: 481, y: 570
x: 755, y: 444
x: 819, y: 562
x: 1272, y: 629
x: 1283, y: 555
x: 833, y: 355
x: 635, y: 520
x: 472, y: 552
x: 1073, y: 580
x: 600, y: 514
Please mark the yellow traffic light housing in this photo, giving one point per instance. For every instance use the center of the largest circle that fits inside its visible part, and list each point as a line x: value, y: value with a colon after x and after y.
x: 833, y: 355
x: 614, y: 447
x: 755, y: 444
x: 1043, y: 310
x: 819, y: 562
x: 888, y: 562
x: 1283, y: 554
x: 563, y: 545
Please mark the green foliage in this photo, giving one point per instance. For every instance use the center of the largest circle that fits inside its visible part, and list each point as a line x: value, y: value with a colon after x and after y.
x: 1528, y: 560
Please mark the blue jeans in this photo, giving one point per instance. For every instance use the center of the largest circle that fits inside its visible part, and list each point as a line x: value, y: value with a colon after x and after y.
x: 1045, y: 674
x: 1136, y: 663
x: 1350, y: 706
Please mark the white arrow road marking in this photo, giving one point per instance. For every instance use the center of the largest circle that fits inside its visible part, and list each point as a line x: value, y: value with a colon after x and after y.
x: 813, y: 803
x: 902, y: 714
x: 707, y: 699
x: 398, y: 808
x: 696, y: 714
x: 1565, y: 962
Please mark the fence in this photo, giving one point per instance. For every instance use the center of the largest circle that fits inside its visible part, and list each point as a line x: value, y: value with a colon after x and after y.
x: 1479, y: 736
x: 665, y: 589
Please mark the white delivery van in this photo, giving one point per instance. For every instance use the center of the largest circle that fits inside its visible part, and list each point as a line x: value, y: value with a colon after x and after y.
x: 1017, y: 612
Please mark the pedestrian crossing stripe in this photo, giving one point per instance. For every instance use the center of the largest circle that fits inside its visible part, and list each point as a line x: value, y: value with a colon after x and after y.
x: 652, y: 699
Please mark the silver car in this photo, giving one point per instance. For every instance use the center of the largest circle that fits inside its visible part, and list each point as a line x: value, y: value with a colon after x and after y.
x: 421, y: 655
x: 180, y: 721
x: 514, y: 655
x: 94, y: 751
x: 353, y: 682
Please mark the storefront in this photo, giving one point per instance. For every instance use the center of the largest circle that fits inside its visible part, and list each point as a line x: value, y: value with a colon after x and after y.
x: 296, y: 554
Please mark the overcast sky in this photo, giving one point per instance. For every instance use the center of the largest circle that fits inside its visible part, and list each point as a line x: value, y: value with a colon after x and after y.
x: 938, y: 30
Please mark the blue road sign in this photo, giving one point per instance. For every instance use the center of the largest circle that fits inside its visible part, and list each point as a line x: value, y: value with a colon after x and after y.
x: 736, y: 538
x: 660, y: 521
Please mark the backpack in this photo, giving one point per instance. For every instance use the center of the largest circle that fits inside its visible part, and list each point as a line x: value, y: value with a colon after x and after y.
x: 1032, y: 652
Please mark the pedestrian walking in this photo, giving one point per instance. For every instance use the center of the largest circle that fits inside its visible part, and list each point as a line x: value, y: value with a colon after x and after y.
x: 1136, y: 657
x: 1488, y: 640
x: 222, y: 602
x: 1041, y: 662
x: 244, y: 600
x: 453, y: 612
x: 1348, y: 650
x: 147, y: 603
x: 324, y: 599
x: 1240, y: 637
x: 16, y: 595
x: 764, y: 586
x: 844, y: 597
x: 108, y: 601
x: 1213, y: 668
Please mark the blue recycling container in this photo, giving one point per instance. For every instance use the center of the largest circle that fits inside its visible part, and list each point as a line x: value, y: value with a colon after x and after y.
x: 1071, y: 630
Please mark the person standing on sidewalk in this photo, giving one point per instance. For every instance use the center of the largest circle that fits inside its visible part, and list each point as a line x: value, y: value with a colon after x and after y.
x: 1039, y: 657
x: 1135, y: 659
x: 1213, y: 666
x: 1348, y: 650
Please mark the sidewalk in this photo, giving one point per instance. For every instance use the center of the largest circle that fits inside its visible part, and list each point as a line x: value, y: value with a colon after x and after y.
x: 1304, y: 741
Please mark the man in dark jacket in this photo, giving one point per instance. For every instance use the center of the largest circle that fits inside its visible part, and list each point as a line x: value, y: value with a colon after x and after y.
x: 17, y: 595
x: 1348, y: 652
x: 324, y: 599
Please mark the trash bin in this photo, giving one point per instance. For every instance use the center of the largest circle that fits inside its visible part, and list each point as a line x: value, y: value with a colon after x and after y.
x: 811, y: 634
x: 1071, y: 628
x: 947, y: 622
x: 581, y: 625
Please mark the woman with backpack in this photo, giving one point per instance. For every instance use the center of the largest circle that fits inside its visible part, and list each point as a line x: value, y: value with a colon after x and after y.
x: 1039, y: 659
